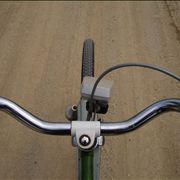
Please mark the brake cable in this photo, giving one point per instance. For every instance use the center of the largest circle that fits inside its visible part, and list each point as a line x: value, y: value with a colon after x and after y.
x: 92, y: 102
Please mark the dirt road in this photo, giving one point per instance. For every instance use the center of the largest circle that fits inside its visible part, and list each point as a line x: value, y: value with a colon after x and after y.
x: 40, y: 64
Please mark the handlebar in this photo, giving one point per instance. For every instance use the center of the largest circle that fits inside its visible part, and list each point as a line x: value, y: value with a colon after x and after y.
x: 141, y: 118
x: 33, y: 122
x: 107, y: 128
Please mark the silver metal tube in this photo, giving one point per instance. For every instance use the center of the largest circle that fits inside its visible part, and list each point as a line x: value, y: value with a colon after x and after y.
x: 116, y: 128
x: 33, y: 122
x: 107, y: 128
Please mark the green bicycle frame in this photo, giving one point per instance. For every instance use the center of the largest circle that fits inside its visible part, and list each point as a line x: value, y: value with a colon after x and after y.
x: 86, y: 165
x: 88, y: 161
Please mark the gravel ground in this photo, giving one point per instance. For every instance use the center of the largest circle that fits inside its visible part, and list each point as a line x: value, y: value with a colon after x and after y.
x: 40, y: 65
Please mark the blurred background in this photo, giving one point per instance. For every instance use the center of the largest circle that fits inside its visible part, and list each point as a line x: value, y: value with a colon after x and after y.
x: 40, y: 69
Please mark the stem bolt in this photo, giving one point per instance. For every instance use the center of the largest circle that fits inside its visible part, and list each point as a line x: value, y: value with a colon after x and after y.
x: 84, y: 140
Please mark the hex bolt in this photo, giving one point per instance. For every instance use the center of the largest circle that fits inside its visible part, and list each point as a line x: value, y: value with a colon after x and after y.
x: 84, y: 140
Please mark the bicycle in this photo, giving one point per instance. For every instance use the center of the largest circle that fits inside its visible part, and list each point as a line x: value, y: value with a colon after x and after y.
x: 86, y: 129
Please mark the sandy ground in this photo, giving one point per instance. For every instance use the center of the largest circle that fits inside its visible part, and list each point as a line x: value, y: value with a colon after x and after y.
x: 40, y: 64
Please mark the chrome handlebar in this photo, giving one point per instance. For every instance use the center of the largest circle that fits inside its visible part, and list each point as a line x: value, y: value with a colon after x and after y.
x: 33, y: 122
x: 107, y: 128
x: 141, y: 118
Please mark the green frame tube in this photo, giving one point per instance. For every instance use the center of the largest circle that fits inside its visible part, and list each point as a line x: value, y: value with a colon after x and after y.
x: 87, y: 165
x: 88, y: 161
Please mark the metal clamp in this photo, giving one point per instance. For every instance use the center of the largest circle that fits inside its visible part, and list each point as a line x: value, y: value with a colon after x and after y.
x: 86, y: 134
